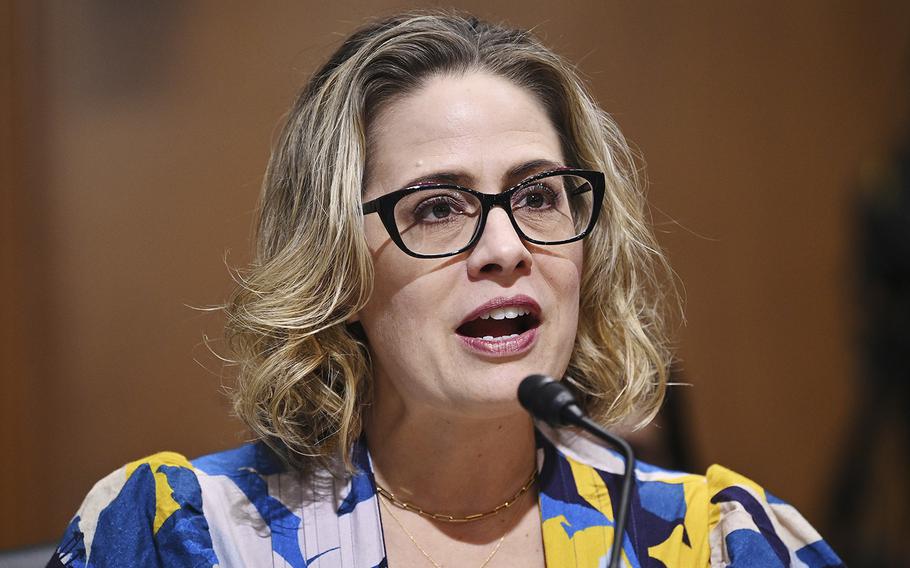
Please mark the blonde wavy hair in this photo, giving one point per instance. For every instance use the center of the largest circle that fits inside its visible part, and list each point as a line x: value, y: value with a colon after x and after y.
x: 304, y: 374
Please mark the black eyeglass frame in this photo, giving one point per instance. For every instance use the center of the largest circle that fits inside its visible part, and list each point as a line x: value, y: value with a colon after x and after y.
x: 385, y: 206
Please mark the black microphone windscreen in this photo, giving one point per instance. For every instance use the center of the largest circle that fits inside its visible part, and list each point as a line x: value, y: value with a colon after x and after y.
x: 546, y: 399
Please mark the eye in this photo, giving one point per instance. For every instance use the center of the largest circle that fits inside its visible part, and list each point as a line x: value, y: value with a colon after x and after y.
x: 437, y: 208
x: 536, y: 196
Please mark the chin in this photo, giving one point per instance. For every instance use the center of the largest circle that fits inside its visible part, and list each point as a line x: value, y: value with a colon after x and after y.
x: 498, y: 397
x: 513, y: 372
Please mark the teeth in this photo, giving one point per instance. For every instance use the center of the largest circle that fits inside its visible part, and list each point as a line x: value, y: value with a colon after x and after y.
x: 491, y: 338
x: 511, y: 312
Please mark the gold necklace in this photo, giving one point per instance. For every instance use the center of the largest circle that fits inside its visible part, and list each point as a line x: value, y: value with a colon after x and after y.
x: 451, y: 518
x: 424, y: 552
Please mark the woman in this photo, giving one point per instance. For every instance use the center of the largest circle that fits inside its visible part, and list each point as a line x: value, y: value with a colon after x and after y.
x: 446, y: 212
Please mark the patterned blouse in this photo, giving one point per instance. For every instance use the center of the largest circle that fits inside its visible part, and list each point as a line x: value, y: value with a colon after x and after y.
x: 242, y: 508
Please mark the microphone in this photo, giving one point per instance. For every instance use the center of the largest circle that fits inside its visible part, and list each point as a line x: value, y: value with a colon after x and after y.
x: 550, y: 401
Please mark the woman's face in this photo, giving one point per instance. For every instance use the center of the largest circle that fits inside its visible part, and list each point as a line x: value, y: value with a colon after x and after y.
x: 427, y: 318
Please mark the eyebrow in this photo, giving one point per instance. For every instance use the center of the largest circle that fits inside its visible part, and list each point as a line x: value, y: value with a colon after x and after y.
x: 513, y: 176
x: 528, y: 169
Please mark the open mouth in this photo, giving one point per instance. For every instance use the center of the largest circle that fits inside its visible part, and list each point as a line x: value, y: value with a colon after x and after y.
x: 500, y: 324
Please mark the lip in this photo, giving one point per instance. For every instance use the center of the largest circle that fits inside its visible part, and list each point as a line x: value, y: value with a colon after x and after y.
x: 503, y: 347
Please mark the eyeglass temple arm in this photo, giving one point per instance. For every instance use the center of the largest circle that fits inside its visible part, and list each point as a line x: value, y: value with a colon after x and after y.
x: 370, y: 207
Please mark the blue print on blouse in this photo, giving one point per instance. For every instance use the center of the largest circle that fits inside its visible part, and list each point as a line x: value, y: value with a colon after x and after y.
x: 185, y: 532
x: 283, y: 524
x: 759, y: 517
x: 122, y: 535
x: 772, y: 500
x: 819, y: 555
x: 361, y: 484
x: 748, y: 549
x: 559, y: 496
x: 557, y: 480
x: 666, y: 500
x: 361, y: 490
x: 309, y: 561
x: 577, y: 517
x: 258, y: 456
x: 657, y: 508
x: 73, y: 544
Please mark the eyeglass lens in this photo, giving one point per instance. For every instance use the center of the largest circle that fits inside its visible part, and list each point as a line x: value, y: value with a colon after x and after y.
x: 438, y: 221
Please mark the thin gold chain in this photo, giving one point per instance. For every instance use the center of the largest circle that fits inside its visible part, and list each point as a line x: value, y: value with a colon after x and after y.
x: 451, y: 518
x: 427, y: 554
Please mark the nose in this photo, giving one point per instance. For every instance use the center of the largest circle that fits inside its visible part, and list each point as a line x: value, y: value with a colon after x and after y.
x: 500, y: 251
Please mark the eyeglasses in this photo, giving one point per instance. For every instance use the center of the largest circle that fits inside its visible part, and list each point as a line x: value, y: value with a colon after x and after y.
x: 439, y: 219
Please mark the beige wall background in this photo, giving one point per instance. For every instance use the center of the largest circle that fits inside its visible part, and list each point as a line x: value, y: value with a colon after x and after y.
x: 135, y: 136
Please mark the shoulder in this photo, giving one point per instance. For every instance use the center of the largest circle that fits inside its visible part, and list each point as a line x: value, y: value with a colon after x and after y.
x: 146, y: 513
x: 240, y: 507
x: 717, y: 519
x: 751, y: 527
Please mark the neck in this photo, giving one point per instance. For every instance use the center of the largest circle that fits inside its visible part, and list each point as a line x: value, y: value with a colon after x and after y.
x: 450, y: 464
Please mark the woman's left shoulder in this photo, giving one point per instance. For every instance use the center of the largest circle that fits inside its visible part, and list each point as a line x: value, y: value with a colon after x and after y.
x: 717, y: 519
x: 749, y: 526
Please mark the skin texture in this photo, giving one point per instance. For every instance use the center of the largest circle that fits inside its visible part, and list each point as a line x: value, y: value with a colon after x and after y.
x: 445, y: 429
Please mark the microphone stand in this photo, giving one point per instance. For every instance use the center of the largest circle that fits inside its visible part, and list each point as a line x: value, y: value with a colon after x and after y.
x: 552, y: 402
x: 625, y: 495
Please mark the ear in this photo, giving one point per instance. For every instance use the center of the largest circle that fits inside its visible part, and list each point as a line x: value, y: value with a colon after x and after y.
x: 353, y: 319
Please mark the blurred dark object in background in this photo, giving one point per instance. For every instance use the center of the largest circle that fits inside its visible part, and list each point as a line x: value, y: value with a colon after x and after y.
x: 667, y: 440
x: 869, y: 515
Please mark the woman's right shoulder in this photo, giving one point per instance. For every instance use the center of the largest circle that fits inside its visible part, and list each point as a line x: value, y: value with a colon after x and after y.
x: 237, y: 507
x: 146, y: 513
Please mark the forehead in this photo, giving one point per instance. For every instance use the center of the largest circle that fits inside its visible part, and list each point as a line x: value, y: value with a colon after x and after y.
x: 477, y: 126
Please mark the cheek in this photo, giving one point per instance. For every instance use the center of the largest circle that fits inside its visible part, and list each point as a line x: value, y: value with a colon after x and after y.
x: 577, y: 258
x: 403, y: 295
x: 564, y: 276
x: 383, y: 312
x: 403, y: 328
x: 389, y: 310
x: 385, y: 322
x: 567, y: 272
x: 391, y: 270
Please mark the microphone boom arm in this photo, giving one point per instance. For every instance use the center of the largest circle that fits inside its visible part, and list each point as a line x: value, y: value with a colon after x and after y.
x: 625, y: 494
x: 551, y: 401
